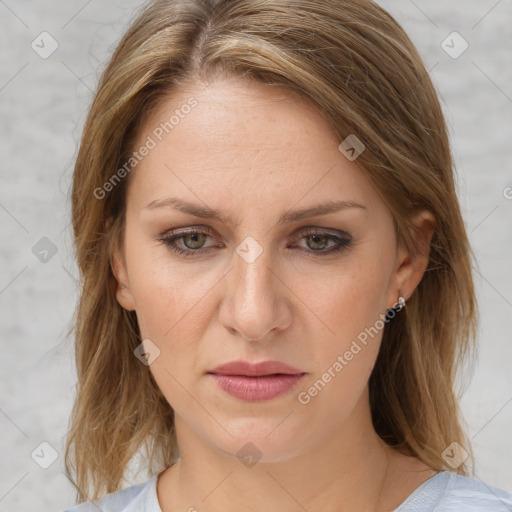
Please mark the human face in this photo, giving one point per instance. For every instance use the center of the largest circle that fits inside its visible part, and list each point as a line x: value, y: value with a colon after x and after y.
x: 254, y: 152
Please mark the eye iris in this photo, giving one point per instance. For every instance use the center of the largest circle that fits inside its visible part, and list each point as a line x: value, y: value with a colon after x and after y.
x: 194, y: 237
x: 315, y: 238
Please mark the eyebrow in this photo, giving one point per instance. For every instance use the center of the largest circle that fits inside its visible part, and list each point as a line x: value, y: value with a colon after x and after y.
x: 286, y: 217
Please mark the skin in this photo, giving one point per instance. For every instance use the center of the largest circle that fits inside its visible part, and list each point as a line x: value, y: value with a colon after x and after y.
x: 254, y: 152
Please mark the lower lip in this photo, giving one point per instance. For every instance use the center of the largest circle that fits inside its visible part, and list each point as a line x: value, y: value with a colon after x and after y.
x: 256, y: 389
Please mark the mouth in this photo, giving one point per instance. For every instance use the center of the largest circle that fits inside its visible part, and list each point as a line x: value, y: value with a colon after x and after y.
x: 256, y: 382
x: 263, y: 369
x: 257, y: 389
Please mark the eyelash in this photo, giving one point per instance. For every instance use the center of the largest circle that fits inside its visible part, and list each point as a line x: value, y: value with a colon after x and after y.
x: 169, y: 241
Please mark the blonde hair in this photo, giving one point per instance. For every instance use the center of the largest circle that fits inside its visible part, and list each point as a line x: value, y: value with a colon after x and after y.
x: 353, y: 62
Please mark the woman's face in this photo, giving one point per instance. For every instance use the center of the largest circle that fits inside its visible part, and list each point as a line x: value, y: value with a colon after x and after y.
x: 257, y: 281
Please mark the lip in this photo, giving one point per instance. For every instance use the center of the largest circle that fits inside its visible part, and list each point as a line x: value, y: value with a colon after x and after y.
x: 257, y: 389
x: 244, y: 368
x: 256, y: 382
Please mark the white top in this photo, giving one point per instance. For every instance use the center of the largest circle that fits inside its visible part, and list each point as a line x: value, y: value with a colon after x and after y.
x: 444, y: 492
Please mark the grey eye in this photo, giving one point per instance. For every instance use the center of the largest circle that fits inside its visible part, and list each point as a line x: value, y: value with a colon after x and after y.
x: 198, y: 239
x: 319, y: 241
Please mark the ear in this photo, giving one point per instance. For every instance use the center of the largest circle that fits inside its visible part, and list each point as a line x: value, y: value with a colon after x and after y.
x: 123, y: 292
x: 412, y: 266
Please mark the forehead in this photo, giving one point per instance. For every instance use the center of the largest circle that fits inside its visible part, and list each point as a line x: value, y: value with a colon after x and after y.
x: 236, y: 115
x: 248, y: 140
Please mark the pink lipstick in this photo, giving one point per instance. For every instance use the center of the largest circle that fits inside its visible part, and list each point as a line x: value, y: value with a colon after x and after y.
x: 256, y: 382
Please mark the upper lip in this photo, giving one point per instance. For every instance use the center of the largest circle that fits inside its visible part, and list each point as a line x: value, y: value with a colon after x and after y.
x: 255, y: 369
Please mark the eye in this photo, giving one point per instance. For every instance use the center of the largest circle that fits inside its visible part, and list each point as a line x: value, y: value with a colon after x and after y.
x: 192, y: 239
x: 190, y: 243
x: 317, y: 240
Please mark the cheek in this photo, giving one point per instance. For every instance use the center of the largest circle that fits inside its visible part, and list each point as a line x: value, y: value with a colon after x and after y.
x: 351, y: 306
x: 168, y: 312
x: 171, y: 306
x: 351, y: 300
x: 163, y: 294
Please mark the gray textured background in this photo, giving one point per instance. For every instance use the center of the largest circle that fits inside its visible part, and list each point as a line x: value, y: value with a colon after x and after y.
x: 43, y: 106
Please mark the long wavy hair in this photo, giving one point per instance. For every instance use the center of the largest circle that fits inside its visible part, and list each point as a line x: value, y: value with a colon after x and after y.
x: 353, y: 62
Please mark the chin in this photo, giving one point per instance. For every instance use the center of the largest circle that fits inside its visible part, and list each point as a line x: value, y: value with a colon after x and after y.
x: 252, y: 441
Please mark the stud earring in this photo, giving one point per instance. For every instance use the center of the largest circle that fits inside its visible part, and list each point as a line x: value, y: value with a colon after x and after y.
x: 390, y: 313
x: 401, y: 304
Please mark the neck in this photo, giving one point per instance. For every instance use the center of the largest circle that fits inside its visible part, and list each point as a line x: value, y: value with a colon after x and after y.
x: 349, y: 471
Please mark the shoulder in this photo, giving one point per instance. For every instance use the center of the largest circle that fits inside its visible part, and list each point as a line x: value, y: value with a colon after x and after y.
x: 135, y: 498
x: 473, y: 494
x: 450, y: 492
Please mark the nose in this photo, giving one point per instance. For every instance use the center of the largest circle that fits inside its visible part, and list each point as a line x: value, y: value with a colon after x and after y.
x: 256, y: 303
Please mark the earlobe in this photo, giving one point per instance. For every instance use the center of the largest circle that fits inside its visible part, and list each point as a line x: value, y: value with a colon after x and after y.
x: 413, y: 265
x: 123, y: 292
